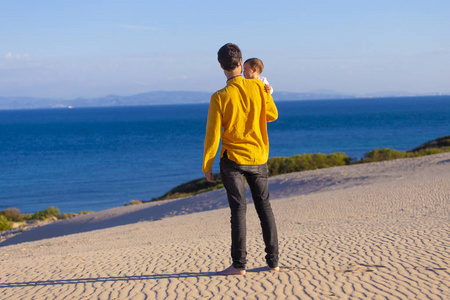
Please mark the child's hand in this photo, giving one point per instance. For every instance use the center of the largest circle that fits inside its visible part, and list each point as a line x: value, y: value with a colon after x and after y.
x: 268, y: 88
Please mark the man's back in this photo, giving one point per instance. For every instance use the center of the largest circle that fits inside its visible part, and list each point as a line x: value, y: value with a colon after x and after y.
x: 242, y: 109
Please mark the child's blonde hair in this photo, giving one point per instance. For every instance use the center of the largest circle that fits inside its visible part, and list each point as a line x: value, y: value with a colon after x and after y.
x: 255, y: 63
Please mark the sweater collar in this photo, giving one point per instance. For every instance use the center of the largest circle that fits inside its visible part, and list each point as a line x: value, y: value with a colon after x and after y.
x: 231, y: 78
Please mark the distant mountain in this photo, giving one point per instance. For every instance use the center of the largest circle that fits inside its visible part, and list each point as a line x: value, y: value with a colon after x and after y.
x: 150, y: 98
x: 330, y: 94
x: 168, y: 97
x: 391, y: 94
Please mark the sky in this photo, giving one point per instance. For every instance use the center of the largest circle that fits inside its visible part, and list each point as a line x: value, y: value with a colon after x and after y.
x: 84, y: 48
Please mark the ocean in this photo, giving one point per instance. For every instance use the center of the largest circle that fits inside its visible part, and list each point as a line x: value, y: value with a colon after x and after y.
x: 98, y: 158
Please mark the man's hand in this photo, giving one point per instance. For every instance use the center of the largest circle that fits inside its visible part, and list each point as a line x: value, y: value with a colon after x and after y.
x: 268, y: 88
x: 209, y: 176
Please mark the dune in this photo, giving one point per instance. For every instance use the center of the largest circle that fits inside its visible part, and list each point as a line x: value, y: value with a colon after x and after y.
x: 368, y: 231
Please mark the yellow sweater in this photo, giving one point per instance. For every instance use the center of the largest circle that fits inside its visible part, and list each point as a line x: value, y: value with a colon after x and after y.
x: 242, y: 109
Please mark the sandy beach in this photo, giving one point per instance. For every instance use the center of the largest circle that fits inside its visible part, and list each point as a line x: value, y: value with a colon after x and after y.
x: 368, y: 231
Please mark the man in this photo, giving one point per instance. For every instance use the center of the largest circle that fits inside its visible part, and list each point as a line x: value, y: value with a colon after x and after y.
x: 239, y: 114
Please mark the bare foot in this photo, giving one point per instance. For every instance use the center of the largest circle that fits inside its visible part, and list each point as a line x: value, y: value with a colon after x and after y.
x: 231, y: 271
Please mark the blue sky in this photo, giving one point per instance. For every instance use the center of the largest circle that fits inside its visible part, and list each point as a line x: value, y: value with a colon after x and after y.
x: 69, y: 49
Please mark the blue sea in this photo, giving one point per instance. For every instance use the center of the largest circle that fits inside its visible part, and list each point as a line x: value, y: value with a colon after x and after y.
x: 97, y: 158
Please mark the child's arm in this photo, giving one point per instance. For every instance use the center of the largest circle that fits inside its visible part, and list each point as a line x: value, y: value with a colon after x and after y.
x: 267, y: 86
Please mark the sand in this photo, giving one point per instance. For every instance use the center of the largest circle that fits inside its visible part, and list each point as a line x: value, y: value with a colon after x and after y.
x: 370, y: 231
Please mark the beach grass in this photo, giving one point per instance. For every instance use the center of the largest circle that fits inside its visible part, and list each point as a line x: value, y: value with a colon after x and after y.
x: 12, y: 217
x: 307, y: 162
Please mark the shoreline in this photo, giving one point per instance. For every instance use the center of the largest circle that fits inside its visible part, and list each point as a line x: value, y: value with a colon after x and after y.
x: 376, y: 230
x: 313, y: 161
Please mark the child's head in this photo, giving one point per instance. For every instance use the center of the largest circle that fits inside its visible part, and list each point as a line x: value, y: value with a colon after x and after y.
x: 253, y: 67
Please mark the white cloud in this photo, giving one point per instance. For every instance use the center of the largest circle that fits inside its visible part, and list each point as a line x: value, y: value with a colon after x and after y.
x: 11, y: 56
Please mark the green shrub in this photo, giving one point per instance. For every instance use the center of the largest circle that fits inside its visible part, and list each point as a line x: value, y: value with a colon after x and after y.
x: 388, y: 154
x: 442, y: 142
x: 430, y: 151
x: 5, y: 224
x: 304, y: 162
x: 383, y: 154
x: 12, y: 214
x: 85, y: 212
x: 48, y: 212
x: 66, y: 216
x: 193, y: 187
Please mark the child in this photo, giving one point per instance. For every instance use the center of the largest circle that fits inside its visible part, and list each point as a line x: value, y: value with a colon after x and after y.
x: 253, y: 68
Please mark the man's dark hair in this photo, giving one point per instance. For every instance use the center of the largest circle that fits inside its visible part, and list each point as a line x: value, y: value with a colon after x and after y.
x: 229, y: 56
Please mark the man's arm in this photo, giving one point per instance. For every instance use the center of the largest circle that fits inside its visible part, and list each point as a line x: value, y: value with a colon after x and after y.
x: 212, y: 136
x: 271, y: 109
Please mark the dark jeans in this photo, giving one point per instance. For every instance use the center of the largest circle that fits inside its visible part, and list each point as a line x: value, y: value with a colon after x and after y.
x: 233, y: 178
